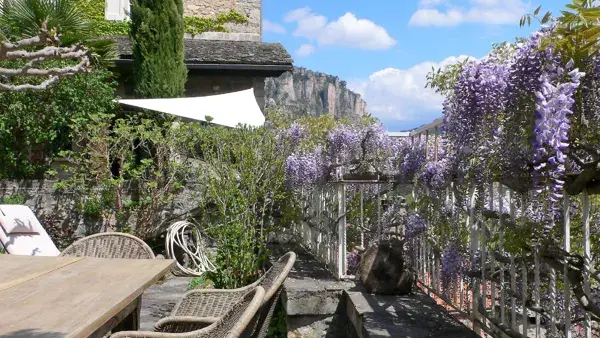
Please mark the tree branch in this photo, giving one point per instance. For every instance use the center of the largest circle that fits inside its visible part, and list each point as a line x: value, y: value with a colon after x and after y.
x: 24, y: 87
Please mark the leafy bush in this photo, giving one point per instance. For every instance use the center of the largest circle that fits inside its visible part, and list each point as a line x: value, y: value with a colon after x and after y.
x: 195, y: 25
x: 36, y: 125
x: 94, y: 13
x: 17, y: 198
x: 245, y: 187
x: 128, y: 171
x: 278, y: 327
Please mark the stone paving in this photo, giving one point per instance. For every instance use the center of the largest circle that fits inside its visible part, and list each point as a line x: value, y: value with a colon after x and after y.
x: 160, y: 298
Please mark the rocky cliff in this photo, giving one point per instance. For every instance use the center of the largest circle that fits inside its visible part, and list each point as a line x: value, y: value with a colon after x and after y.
x: 304, y: 92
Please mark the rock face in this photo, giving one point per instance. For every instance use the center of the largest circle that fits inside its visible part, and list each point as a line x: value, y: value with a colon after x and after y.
x: 382, y: 269
x: 304, y: 92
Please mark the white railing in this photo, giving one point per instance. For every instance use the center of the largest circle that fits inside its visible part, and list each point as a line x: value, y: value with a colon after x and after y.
x: 323, y: 230
x: 505, y: 299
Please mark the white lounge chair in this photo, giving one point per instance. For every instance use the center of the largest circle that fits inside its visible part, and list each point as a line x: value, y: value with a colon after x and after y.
x: 22, y: 234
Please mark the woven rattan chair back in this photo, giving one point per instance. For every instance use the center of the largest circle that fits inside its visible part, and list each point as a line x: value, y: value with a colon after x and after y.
x: 231, y: 325
x: 272, y: 282
x: 110, y: 245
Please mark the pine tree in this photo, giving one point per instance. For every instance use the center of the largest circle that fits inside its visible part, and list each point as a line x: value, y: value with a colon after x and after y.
x: 157, y: 32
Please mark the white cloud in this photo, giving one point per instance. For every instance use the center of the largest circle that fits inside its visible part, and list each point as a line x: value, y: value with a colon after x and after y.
x: 495, y: 12
x: 346, y: 31
x: 431, y: 2
x: 305, y: 50
x: 273, y: 27
x: 400, y: 95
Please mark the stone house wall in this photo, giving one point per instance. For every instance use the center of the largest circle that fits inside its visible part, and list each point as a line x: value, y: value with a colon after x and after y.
x: 252, y: 9
x: 199, y: 84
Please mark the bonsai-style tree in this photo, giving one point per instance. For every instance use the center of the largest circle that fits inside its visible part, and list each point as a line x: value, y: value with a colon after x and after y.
x: 157, y: 32
x: 42, y: 41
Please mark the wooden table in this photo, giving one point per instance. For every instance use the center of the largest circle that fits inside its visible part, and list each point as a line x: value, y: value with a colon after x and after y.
x: 52, y: 297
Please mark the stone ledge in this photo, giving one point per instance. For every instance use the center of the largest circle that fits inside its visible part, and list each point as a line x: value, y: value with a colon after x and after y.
x: 310, y: 290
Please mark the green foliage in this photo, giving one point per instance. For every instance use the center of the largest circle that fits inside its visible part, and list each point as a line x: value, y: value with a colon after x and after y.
x: 442, y: 80
x: 36, y: 125
x: 244, y: 186
x: 201, y: 282
x: 93, y: 12
x: 195, y: 25
x: 17, y: 198
x: 129, y: 170
x: 158, y: 48
x: 92, y: 208
x: 577, y: 33
x: 278, y: 327
x: 24, y: 18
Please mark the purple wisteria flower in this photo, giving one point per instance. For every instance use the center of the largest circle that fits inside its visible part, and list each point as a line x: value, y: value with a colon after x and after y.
x: 414, y: 226
x: 352, y: 260
x: 454, y: 262
x: 303, y: 171
x: 435, y: 175
x: 413, y: 160
x: 344, y: 144
x: 553, y: 104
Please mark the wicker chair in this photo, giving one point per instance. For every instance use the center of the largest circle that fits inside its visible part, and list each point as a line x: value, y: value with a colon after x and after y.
x: 110, y: 245
x: 208, y: 305
x: 231, y: 325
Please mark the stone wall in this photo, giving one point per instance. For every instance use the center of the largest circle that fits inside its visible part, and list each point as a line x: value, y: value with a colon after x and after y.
x: 201, y: 85
x: 312, y: 298
x: 252, y: 9
x: 46, y: 202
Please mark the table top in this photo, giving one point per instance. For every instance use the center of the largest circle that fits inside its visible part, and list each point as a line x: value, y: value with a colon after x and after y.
x: 54, y: 297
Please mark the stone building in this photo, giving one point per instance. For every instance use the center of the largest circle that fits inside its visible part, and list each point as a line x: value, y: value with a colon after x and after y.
x: 217, y: 62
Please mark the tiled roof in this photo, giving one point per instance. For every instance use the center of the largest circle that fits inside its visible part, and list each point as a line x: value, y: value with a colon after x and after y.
x: 199, y: 51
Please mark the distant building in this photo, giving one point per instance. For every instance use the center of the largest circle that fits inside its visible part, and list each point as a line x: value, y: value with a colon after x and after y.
x: 433, y: 127
x: 398, y: 134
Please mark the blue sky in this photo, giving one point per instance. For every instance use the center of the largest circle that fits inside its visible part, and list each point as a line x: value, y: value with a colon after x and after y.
x: 384, y: 48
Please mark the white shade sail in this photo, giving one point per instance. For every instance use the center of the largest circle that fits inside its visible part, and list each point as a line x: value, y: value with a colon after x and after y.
x: 229, y: 109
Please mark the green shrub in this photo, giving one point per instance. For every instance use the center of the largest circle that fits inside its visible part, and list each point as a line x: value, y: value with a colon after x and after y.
x: 18, y: 198
x: 36, y: 125
x: 278, y: 327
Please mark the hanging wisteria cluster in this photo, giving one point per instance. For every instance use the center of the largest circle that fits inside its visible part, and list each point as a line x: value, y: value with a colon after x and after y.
x: 454, y: 263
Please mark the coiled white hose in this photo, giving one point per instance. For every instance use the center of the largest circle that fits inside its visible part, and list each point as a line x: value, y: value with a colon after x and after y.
x: 198, y: 260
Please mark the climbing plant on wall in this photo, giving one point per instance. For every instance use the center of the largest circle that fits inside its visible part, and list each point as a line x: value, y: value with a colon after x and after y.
x: 94, y: 13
